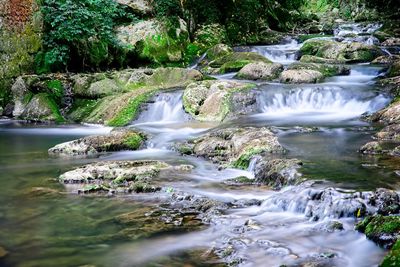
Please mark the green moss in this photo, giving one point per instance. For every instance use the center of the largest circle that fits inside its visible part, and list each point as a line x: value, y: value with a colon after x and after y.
x: 128, y: 113
x: 393, y: 258
x: 56, y: 88
x: 185, y: 150
x: 134, y: 141
x: 241, y: 180
x: 238, y: 56
x: 233, y: 66
x: 55, y: 109
x: 81, y: 109
x: 383, y: 224
x: 326, y: 69
x: 305, y: 37
x: 244, y: 160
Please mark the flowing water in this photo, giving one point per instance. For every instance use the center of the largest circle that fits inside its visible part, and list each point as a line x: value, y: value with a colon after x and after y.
x: 319, y: 124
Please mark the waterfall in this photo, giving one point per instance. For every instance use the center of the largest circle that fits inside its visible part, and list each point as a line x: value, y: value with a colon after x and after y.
x: 167, y: 107
x: 318, y: 103
x: 284, y: 53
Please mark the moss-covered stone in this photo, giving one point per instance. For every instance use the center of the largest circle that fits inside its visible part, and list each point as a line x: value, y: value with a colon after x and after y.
x: 340, y: 52
x: 117, y: 140
x: 232, y: 62
x: 384, y: 230
x: 393, y: 258
x: 42, y: 107
x: 211, y: 100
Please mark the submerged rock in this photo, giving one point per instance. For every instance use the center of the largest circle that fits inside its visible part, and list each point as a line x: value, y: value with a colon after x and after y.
x: 383, y: 230
x: 215, y: 100
x: 234, y: 146
x: 117, y: 140
x: 301, y: 76
x: 372, y: 148
x: 260, y: 71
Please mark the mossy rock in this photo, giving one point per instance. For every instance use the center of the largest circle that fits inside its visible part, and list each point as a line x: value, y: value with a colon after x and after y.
x: 384, y: 230
x: 218, y: 51
x: 393, y: 258
x: 237, y: 60
x: 327, y: 70
x: 394, y: 69
x: 211, y: 100
x: 209, y: 35
x: 117, y: 140
x: 42, y: 107
x: 347, y: 52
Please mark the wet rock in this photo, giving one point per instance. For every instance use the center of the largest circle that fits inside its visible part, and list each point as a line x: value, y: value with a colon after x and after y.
x: 389, y: 115
x: 320, y: 60
x: 213, y: 100
x: 389, y: 133
x: 277, y: 172
x: 340, y: 52
x: 327, y: 70
x: 391, y: 42
x: 386, y: 201
x: 100, y: 89
x: 41, y: 108
x: 260, y: 71
x: 329, y: 226
x: 115, y: 176
x: 117, y: 140
x: 383, y: 230
x: 301, y: 76
x: 235, y: 146
x: 372, y: 148
x: 385, y: 60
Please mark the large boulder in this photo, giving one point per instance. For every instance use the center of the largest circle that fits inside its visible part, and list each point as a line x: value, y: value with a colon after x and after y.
x: 41, y: 108
x: 134, y: 33
x: 372, y: 148
x: 389, y: 115
x: 115, y: 141
x: 301, y: 76
x: 233, y: 146
x: 260, y: 71
x: 141, y: 7
x: 235, y: 61
x: 340, y: 52
x: 212, y: 100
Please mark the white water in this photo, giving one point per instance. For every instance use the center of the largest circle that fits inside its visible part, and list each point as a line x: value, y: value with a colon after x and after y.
x: 284, y: 54
x: 167, y: 107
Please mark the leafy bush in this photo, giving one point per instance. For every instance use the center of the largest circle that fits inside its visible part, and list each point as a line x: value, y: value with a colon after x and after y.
x: 79, y: 34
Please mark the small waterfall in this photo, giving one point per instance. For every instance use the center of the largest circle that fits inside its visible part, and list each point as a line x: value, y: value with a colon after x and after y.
x: 285, y: 53
x: 318, y: 203
x: 167, y: 107
x: 318, y: 103
x: 358, y: 33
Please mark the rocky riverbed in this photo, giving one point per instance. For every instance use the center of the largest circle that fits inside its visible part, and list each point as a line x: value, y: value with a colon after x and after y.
x: 243, y: 160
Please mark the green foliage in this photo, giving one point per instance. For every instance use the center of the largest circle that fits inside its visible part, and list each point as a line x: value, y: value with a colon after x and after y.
x: 78, y: 34
x: 393, y: 258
